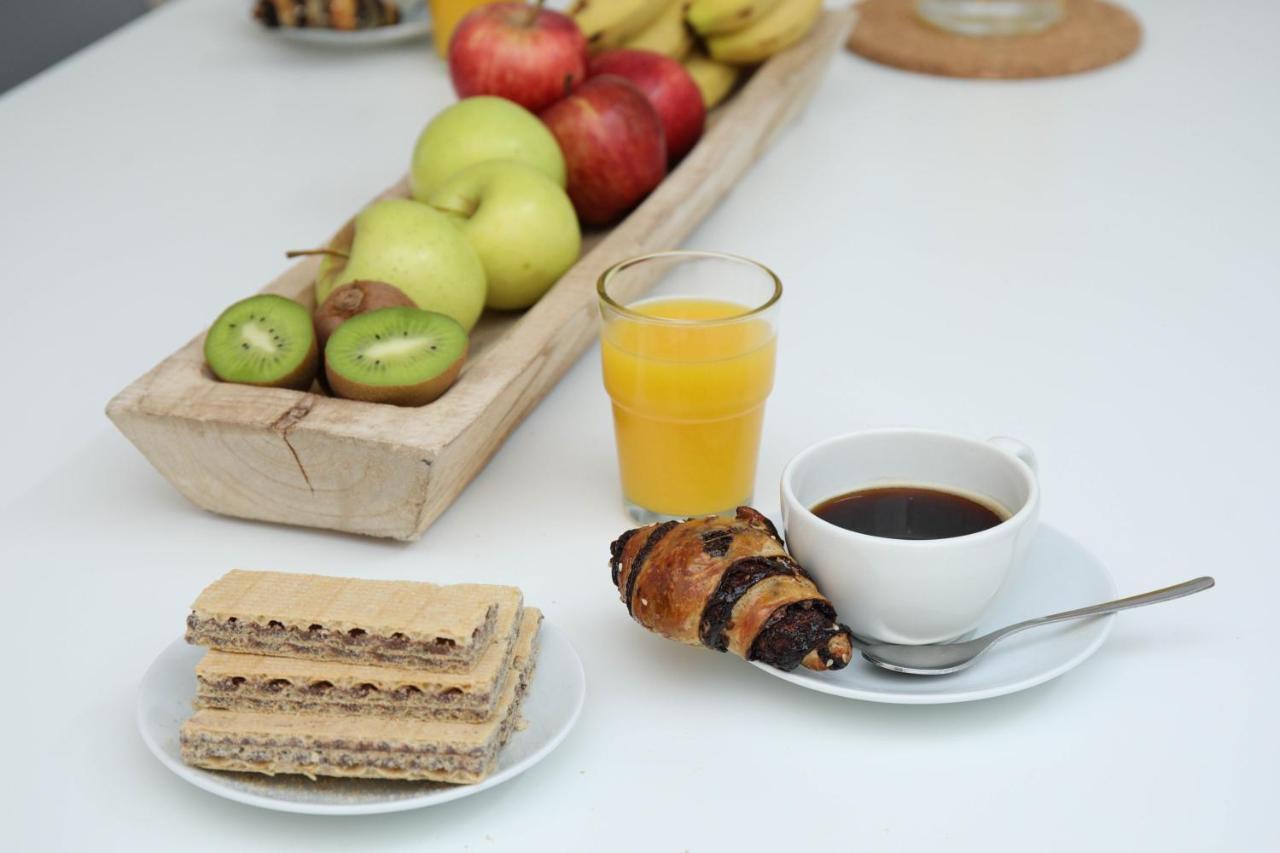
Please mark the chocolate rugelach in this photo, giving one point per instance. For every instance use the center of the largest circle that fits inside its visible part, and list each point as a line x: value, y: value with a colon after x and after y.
x: 727, y: 583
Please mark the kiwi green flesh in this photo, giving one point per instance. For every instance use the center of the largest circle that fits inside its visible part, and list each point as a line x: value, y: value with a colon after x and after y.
x: 263, y: 340
x: 404, y: 356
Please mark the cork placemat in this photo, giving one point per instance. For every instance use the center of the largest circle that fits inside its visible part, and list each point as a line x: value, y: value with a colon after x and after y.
x: 1090, y: 35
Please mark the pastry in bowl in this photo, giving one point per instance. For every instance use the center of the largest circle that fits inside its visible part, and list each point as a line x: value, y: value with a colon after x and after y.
x: 328, y: 14
x: 727, y: 582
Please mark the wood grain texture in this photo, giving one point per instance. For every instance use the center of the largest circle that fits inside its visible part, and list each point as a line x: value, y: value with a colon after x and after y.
x: 307, y: 459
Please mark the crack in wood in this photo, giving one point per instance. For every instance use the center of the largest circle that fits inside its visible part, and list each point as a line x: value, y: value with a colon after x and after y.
x: 285, y: 423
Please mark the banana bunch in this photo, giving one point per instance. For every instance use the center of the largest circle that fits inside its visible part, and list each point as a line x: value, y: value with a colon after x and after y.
x: 609, y: 23
x: 668, y: 33
x: 656, y: 25
x: 711, y: 17
x: 745, y: 32
x: 733, y: 33
x: 715, y: 80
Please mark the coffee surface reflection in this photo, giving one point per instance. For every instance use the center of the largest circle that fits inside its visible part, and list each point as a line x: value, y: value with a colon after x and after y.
x: 908, y: 512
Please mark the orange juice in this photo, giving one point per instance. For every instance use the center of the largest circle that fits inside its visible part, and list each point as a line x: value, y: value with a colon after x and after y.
x: 688, y: 402
x: 445, y: 17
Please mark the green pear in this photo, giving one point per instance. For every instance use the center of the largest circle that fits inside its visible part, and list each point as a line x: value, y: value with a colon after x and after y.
x: 520, y: 223
x: 477, y: 129
x: 414, y: 248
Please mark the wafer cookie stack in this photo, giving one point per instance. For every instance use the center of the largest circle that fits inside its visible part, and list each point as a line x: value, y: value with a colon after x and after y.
x: 331, y: 676
x: 397, y: 623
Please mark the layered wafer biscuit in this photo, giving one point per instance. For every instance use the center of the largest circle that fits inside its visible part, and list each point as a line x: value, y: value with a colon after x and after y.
x: 242, y: 682
x: 364, y: 747
x: 382, y: 623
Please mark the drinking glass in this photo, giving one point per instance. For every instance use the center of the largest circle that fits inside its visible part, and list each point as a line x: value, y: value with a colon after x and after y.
x: 688, y: 341
x: 445, y: 17
x: 990, y: 17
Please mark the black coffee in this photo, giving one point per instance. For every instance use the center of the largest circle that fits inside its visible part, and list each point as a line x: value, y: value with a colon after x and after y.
x: 907, y: 512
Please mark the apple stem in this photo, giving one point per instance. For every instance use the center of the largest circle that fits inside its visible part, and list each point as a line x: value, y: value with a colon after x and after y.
x: 532, y: 15
x: 333, y: 253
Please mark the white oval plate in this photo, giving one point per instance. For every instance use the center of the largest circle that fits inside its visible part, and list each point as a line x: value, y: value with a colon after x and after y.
x: 1059, y: 574
x: 415, y: 23
x: 550, y: 710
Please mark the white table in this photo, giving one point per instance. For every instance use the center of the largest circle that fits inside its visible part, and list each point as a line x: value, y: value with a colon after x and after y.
x: 1088, y: 263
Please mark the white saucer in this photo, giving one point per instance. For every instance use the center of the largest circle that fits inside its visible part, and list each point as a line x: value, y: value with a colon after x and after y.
x: 1058, y: 575
x: 550, y: 710
x: 414, y: 23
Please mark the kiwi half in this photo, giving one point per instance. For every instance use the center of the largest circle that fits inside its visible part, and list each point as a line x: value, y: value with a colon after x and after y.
x: 404, y: 356
x: 263, y: 340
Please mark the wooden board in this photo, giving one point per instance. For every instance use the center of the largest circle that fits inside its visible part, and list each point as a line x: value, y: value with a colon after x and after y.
x: 307, y: 459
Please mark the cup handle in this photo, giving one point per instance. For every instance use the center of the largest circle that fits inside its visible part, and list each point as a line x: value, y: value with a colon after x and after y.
x: 1016, y: 448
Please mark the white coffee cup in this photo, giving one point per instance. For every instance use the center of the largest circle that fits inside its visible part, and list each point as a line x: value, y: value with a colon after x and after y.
x: 900, y: 590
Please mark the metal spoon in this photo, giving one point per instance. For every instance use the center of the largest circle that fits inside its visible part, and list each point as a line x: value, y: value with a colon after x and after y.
x: 942, y: 658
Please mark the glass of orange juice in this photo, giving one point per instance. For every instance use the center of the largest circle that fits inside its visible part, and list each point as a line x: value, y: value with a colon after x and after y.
x: 445, y: 17
x: 688, y: 343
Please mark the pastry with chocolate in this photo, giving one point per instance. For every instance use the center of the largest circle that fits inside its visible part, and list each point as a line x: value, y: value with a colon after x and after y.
x: 327, y: 14
x: 728, y: 583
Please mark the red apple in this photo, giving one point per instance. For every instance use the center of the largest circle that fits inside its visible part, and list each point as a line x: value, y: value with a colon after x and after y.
x: 520, y: 52
x: 614, y: 149
x: 667, y: 85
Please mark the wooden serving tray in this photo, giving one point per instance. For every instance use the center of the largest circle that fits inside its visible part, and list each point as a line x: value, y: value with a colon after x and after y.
x: 304, y: 458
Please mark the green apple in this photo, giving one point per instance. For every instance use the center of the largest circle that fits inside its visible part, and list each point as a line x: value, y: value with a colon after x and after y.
x: 519, y: 222
x: 478, y: 129
x: 414, y: 248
